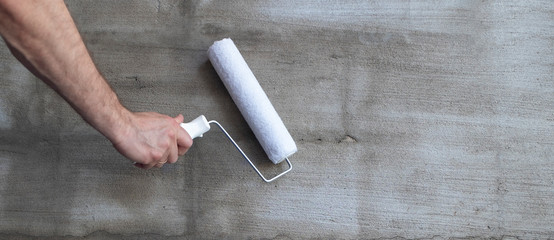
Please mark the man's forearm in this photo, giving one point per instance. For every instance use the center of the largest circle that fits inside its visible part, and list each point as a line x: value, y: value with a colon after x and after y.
x: 43, y: 36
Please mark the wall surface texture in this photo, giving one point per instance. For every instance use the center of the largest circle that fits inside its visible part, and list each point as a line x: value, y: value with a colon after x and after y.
x: 413, y: 119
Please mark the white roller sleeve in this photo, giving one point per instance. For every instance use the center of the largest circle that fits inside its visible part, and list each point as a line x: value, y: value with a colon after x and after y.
x: 251, y: 100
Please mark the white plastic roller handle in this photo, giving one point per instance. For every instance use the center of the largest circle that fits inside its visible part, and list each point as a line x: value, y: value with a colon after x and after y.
x: 197, y: 127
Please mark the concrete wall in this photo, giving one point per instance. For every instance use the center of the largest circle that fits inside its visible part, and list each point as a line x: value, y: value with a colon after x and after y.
x: 414, y: 119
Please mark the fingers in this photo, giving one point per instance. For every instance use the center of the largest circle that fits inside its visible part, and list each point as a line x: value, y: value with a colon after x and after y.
x: 184, y: 141
x: 172, y: 157
x: 159, y: 163
x: 156, y: 139
x: 182, y: 150
x: 172, y: 152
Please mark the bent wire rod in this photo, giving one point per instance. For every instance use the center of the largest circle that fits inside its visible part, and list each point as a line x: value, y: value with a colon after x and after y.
x: 247, y: 159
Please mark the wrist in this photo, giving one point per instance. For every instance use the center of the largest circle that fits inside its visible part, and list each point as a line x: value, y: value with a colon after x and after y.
x: 119, y: 125
x: 104, y: 112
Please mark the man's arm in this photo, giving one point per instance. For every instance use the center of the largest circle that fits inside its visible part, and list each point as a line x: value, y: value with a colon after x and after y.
x: 43, y: 36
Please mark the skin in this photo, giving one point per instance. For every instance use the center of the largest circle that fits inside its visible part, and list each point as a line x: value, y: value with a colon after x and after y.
x: 43, y: 37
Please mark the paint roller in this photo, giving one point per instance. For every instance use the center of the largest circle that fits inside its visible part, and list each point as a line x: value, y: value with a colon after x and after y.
x: 253, y: 104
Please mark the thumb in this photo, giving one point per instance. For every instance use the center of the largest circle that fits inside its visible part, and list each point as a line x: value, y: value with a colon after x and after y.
x: 179, y: 118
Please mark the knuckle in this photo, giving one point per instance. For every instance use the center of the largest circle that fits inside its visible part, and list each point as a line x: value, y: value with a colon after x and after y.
x: 165, y: 144
x: 170, y: 133
x: 156, y: 155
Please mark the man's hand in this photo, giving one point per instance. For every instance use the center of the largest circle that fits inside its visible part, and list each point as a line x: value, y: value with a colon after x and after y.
x: 152, y: 139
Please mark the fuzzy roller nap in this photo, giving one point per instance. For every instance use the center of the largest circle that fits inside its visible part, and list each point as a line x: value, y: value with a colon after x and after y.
x: 252, y: 103
x: 251, y: 100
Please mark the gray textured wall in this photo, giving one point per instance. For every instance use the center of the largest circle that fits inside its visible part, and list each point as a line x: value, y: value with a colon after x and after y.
x: 414, y: 119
